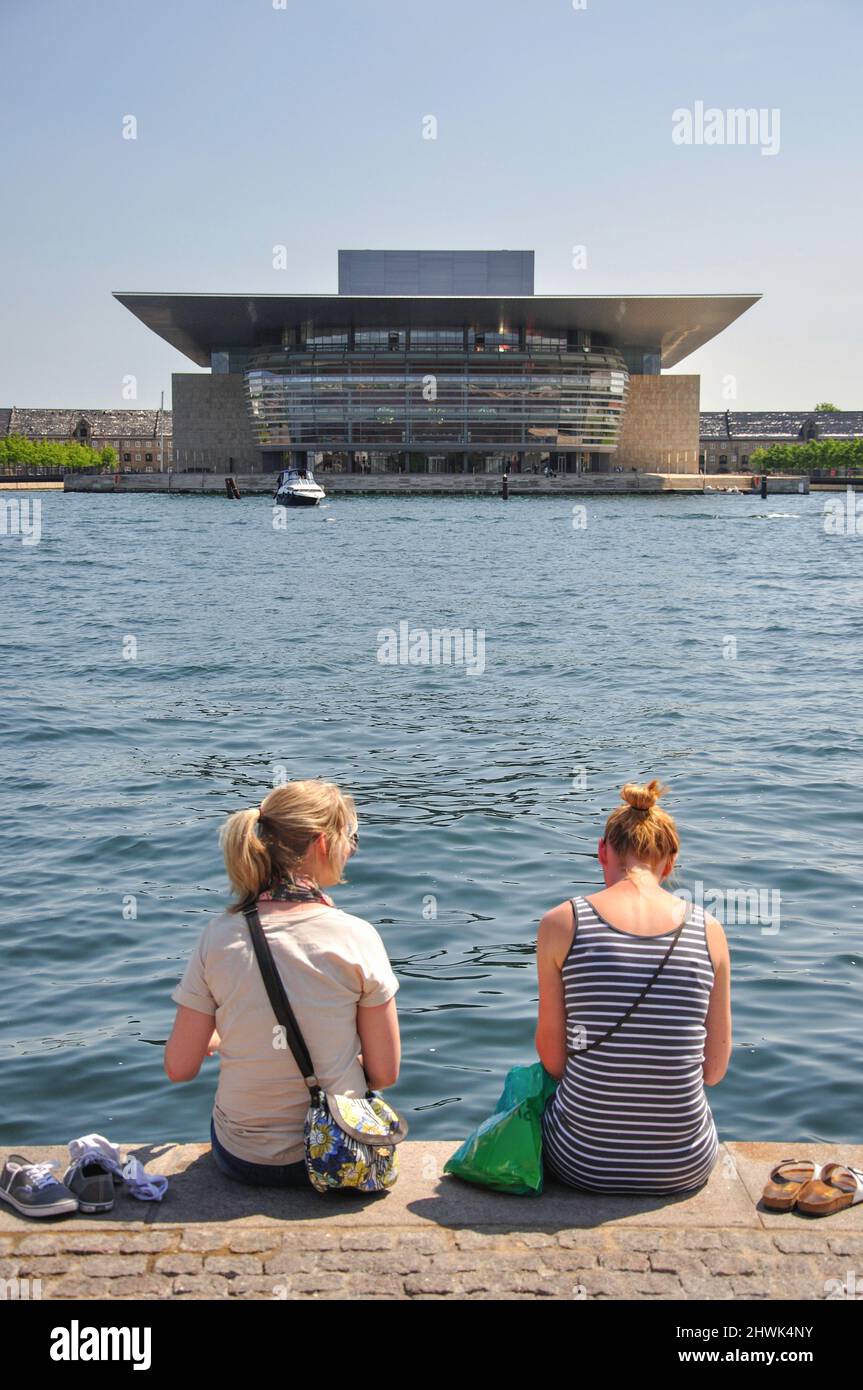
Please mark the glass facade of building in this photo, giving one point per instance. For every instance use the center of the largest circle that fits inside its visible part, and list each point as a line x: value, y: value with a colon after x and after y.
x: 438, y: 393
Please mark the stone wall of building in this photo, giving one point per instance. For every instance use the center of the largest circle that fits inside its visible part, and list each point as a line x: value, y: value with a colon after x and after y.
x: 211, y: 424
x: 660, y: 427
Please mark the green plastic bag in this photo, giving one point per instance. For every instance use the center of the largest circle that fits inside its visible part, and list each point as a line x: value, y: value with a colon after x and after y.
x: 505, y: 1153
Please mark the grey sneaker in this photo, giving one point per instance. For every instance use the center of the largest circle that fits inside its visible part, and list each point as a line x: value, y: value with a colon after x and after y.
x: 92, y: 1182
x: 32, y: 1189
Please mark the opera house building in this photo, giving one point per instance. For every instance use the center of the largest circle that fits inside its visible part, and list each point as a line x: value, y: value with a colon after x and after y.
x: 442, y: 361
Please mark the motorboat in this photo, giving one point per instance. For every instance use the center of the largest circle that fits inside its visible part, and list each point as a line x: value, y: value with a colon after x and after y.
x: 296, y: 487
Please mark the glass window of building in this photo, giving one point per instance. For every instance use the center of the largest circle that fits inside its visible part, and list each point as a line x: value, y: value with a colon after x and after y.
x: 505, y: 340
x: 333, y: 338
x: 546, y: 342
x: 380, y: 339
x: 445, y: 338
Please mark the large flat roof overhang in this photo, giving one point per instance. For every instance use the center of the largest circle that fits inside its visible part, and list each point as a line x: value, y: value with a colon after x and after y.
x: 199, y: 324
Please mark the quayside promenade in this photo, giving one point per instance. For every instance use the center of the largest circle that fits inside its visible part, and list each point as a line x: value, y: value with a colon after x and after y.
x: 435, y: 1237
x: 438, y: 484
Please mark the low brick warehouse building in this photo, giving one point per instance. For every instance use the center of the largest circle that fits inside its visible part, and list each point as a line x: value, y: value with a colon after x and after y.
x: 729, y: 438
x: 143, y: 439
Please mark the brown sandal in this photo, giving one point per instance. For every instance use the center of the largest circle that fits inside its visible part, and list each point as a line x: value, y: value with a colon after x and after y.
x: 787, y: 1180
x: 838, y: 1186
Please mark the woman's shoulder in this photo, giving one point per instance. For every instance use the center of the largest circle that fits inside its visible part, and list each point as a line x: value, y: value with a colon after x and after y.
x: 225, y: 925
x: 559, y: 917
x: 321, y: 920
x: 352, y: 925
x: 717, y: 942
x: 323, y: 924
x: 554, y: 937
x: 350, y: 940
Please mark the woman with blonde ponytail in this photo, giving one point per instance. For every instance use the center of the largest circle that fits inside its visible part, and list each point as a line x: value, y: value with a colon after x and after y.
x: 282, y: 855
x: 634, y: 1017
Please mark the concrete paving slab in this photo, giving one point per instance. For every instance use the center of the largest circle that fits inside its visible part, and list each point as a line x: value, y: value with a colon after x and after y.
x: 127, y: 1212
x: 199, y: 1193
x: 424, y: 1197
x: 434, y: 1237
x: 754, y: 1162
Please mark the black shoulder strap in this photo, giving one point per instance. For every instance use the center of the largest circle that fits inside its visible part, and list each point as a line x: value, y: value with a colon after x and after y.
x: 572, y: 903
x: 279, y: 999
x: 652, y: 981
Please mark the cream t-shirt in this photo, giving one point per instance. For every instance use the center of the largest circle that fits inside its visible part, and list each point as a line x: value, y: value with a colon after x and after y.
x: 330, y: 963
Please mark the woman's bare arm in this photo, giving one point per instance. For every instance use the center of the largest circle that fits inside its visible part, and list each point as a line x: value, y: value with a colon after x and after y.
x: 717, y: 1045
x: 188, y: 1044
x: 552, y: 943
x: 378, y: 1027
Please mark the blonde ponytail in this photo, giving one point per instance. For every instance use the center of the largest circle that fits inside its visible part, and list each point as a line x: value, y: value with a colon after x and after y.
x: 266, y: 843
x: 247, y: 859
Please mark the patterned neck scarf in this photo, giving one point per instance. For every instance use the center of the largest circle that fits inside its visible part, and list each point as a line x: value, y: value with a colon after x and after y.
x: 295, y: 890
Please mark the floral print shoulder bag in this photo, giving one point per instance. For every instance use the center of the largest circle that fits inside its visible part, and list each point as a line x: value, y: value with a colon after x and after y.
x: 350, y: 1141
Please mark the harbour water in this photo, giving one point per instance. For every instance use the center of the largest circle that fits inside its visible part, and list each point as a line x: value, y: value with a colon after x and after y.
x: 166, y: 658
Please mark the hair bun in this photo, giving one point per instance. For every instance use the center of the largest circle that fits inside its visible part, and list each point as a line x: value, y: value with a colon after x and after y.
x: 643, y: 798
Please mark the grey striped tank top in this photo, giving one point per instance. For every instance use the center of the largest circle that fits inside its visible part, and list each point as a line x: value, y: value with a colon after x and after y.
x: 631, y: 1115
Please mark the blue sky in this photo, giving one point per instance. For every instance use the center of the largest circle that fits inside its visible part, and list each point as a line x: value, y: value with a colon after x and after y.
x: 260, y: 125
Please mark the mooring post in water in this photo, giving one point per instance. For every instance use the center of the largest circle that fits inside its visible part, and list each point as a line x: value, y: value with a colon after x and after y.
x: 504, y: 487
x: 763, y: 484
x: 231, y: 488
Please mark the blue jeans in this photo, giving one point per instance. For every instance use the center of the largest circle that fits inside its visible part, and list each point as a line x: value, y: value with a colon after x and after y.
x: 257, y: 1174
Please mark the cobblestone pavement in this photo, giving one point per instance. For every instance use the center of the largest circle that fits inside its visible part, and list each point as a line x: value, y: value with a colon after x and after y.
x: 435, y: 1237
x: 340, y: 1262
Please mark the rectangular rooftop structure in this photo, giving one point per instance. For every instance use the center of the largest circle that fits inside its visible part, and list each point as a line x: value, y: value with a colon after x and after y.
x: 436, y: 272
